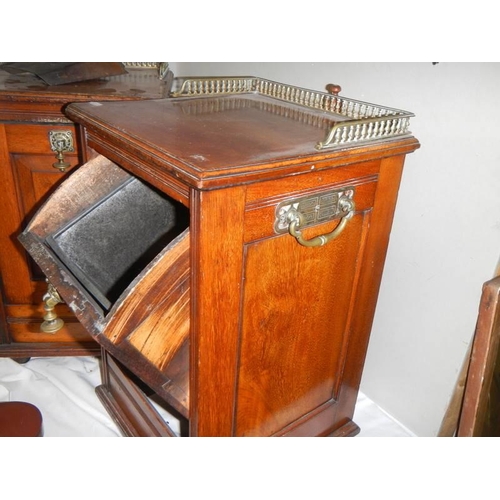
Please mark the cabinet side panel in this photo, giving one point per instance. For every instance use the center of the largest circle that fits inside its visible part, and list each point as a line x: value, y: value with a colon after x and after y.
x: 391, y: 170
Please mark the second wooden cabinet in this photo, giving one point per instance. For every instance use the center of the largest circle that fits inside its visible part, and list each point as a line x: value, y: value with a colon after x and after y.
x: 28, y: 177
x: 33, y: 127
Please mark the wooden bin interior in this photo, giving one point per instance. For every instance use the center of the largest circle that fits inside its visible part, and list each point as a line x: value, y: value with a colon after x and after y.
x: 117, y: 250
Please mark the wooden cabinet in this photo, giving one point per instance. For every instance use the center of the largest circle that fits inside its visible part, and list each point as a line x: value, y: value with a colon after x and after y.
x: 253, y: 318
x: 27, y: 177
x: 32, y: 119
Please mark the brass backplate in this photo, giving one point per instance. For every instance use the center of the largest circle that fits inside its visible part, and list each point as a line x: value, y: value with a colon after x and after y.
x: 315, y: 209
x: 61, y: 141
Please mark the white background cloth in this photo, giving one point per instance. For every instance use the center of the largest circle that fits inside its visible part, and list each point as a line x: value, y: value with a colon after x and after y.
x: 63, y: 388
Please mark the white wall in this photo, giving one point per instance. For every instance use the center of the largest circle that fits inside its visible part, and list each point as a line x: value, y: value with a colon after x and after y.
x: 446, y: 236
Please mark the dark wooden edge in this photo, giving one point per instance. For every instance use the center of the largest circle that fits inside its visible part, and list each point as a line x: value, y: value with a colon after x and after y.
x: 20, y: 419
x: 450, y: 421
x: 4, y: 332
x: 32, y: 349
x: 127, y: 404
x: 480, y: 391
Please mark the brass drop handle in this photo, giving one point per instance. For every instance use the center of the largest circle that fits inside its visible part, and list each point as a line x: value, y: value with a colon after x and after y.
x: 296, y: 219
x: 60, y: 164
x: 52, y: 323
x: 61, y: 141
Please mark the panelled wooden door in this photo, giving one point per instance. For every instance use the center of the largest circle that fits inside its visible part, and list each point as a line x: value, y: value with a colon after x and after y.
x: 296, y: 322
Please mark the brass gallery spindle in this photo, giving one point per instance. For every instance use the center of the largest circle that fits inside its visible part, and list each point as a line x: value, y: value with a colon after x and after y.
x: 52, y: 322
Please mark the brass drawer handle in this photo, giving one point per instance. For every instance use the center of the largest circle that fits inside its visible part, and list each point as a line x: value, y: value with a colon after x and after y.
x: 297, y: 220
x: 52, y: 322
x: 61, y: 141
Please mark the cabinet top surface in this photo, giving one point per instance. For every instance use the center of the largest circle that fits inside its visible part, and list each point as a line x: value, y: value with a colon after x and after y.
x: 213, y: 132
x: 216, y: 136
x: 135, y: 84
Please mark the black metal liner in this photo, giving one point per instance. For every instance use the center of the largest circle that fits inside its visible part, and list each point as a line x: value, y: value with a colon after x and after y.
x: 109, y: 244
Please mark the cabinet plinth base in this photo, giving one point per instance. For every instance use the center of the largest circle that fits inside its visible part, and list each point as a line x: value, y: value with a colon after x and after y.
x: 349, y: 429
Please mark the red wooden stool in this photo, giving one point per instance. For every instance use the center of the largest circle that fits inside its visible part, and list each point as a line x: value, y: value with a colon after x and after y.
x: 18, y: 419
